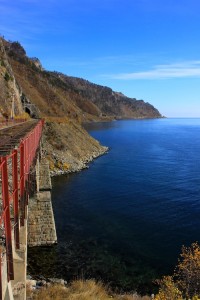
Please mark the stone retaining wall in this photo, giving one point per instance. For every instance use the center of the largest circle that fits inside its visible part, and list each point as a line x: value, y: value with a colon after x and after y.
x: 41, y: 224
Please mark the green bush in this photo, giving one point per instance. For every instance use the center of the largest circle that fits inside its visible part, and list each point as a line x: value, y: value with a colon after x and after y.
x: 2, y: 63
x: 7, y: 77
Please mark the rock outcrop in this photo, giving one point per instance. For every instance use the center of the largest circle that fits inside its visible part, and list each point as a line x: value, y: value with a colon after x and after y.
x: 10, y: 91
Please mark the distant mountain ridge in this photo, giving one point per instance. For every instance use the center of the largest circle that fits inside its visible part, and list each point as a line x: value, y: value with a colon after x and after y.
x: 108, y: 102
x: 77, y: 97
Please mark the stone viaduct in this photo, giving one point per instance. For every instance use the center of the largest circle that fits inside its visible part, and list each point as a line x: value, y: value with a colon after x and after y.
x: 26, y: 215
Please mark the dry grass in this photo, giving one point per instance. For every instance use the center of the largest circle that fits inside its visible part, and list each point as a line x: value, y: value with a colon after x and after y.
x: 80, y: 290
x: 58, y: 120
x: 24, y: 115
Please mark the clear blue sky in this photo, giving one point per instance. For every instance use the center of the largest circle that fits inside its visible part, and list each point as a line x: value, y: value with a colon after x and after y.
x: 147, y: 49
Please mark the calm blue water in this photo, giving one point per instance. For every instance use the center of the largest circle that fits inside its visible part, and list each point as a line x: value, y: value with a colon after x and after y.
x: 127, y: 216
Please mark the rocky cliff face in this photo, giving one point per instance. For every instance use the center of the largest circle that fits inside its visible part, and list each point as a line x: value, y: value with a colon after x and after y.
x: 9, y: 89
x: 65, y: 103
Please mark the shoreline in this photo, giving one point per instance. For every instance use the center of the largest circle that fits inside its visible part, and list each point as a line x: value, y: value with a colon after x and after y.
x: 83, y: 164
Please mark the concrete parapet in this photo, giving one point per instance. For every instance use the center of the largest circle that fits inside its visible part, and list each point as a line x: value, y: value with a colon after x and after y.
x: 16, y: 288
x: 20, y: 264
x: 6, y: 286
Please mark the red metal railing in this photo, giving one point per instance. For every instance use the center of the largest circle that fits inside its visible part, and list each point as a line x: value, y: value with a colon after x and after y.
x: 14, y: 193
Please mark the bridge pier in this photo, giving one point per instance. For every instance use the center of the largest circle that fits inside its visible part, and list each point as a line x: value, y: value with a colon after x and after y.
x: 41, y: 224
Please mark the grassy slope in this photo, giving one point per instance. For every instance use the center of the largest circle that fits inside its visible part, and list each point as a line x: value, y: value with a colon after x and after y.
x: 67, y: 145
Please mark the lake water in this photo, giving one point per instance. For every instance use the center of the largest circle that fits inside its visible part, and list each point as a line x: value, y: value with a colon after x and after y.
x: 125, y: 218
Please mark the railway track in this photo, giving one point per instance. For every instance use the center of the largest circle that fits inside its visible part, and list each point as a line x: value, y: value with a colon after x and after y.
x: 10, y: 137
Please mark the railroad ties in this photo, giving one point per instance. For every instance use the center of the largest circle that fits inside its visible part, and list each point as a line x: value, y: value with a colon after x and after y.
x: 11, y: 136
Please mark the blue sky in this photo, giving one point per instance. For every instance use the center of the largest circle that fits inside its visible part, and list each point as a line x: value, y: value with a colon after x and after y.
x: 147, y: 49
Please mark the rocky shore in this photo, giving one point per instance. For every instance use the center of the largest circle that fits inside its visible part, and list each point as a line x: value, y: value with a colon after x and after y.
x: 34, y: 284
x: 69, y: 148
x: 76, y: 166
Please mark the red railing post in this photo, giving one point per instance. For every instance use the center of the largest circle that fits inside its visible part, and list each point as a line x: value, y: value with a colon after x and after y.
x: 6, y: 208
x: 0, y: 278
x: 29, y: 150
x: 22, y: 183
x: 1, y: 252
x: 15, y: 198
